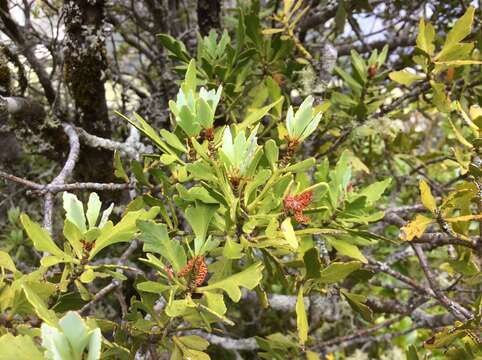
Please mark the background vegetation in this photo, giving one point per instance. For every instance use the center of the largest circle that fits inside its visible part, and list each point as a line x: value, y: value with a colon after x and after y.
x: 240, y: 179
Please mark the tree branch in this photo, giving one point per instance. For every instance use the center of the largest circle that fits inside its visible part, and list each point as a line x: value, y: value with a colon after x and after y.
x: 63, y: 175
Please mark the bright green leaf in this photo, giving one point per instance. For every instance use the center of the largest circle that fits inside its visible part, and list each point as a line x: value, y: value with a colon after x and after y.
x: 301, y: 318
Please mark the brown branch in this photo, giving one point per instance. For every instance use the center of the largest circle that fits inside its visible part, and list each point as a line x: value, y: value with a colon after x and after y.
x: 63, y: 175
x: 454, y: 308
x: 98, y: 142
x: 52, y: 188
x: 115, y: 283
x: 247, y: 344
x: 14, y: 33
x: 393, y: 44
x: 380, y: 266
x: 19, y: 180
x: 434, y: 239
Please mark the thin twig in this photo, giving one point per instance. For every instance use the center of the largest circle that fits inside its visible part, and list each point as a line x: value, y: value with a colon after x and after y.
x: 454, y: 308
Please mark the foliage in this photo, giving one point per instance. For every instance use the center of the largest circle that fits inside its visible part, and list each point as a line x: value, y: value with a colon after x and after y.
x: 251, y: 196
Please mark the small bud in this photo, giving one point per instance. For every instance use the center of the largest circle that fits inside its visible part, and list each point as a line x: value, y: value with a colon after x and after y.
x: 450, y: 73
x: 372, y: 71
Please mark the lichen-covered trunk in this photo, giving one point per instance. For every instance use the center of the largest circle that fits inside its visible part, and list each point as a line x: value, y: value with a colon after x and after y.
x: 85, y: 65
x: 208, y: 15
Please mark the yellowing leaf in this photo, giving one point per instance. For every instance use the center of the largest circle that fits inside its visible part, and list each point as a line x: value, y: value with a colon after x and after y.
x: 271, y: 31
x: 415, y: 228
x: 289, y: 233
x: 475, y: 112
x: 405, y: 77
x: 458, y: 62
x: 464, y: 218
x: 310, y: 355
x: 427, y: 198
x: 466, y: 117
x: 459, y: 136
x: 301, y: 318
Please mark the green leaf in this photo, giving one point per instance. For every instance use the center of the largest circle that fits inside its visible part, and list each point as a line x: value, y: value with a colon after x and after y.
x: 144, y: 127
x: 405, y: 77
x: 427, y: 198
x: 175, y: 47
x: 156, y: 239
x: 454, y: 52
x: 190, y: 80
x: 191, y: 347
x: 87, y: 276
x: 301, y: 166
x: 199, y: 217
x: 289, y: 234
x: 119, y: 168
x: 20, y: 347
x: 73, y: 236
x: 179, y: 307
x: 426, y: 37
x: 301, y: 318
x: 205, y: 114
x: 75, y: 331
x: 123, y: 231
x: 338, y: 271
x: 93, y: 209
x: 69, y: 340
x: 152, y: 287
x: 412, y: 353
x: 173, y: 140
x: 74, y: 210
x: 168, y: 159
x: 39, y: 306
x: 359, y: 65
x: 215, y: 302
x: 440, y: 98
x: 6, y: 262
x: 271, y: 152
x: 256, y: 115
x: 461, y: 28
x: 352, y: 83
x: 232, y: 249
x: 357, y: 304
x: 260, y: 179
x: 374, y: 191
x: 40, y: 237
x: 248, y: 278
x: 347, y: 249
x: 311, y: 258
